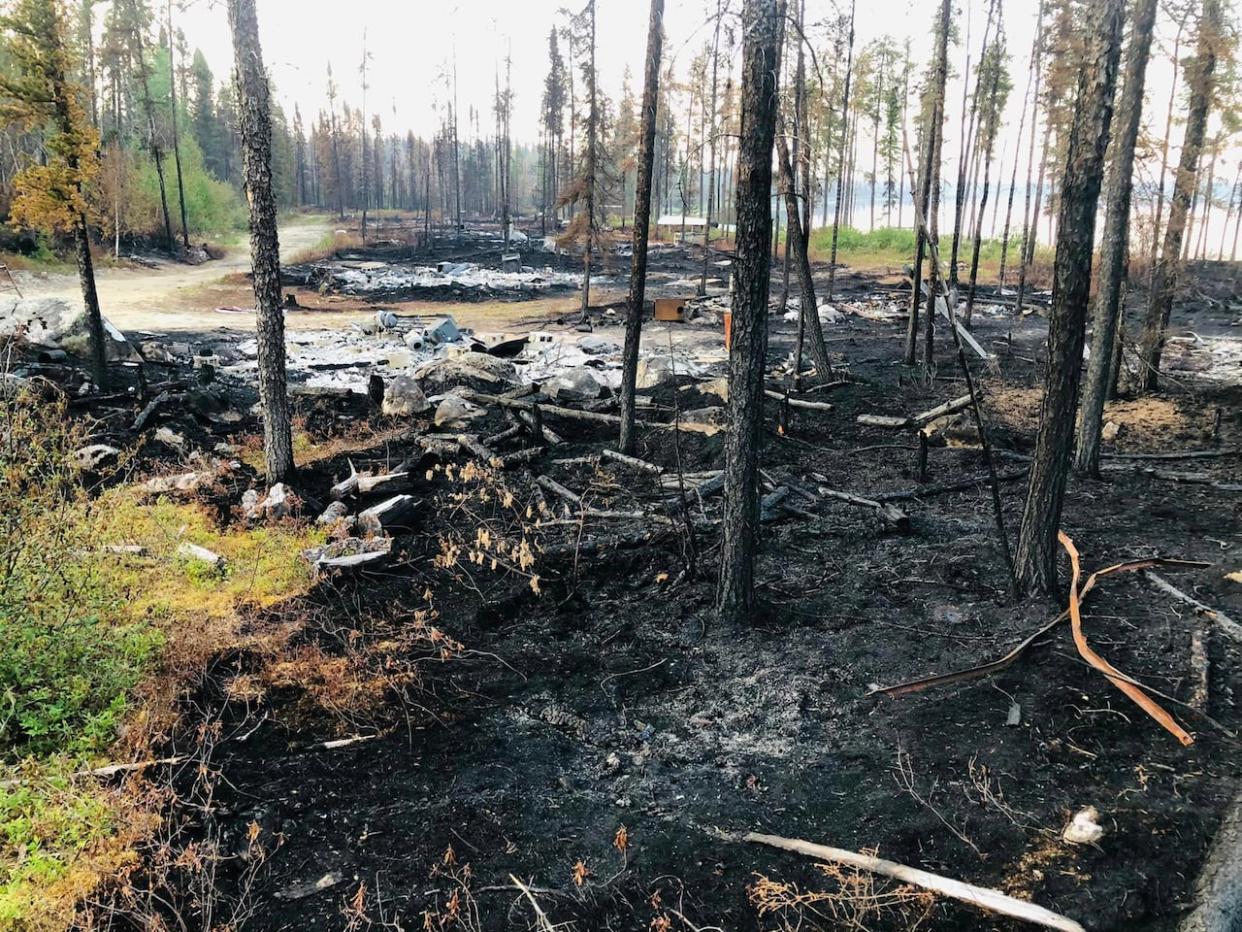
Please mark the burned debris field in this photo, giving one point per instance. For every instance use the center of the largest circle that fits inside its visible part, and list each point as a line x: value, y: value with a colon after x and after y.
x: 527, y: 681
x: 697, y: 467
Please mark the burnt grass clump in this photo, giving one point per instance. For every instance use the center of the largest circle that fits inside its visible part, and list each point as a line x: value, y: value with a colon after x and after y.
x: 595, y: 733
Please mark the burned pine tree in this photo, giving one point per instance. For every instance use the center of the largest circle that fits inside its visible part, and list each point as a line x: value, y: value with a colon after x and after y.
x: 52, y: 196
x: 642, y: 224
x: 1080, y: 191
x: 994, y: 82
x: 1199, y: 79
x: 711, y: 141
x: 338, y: 180
x: 1030, y: 101
x: 553, y: 127
x: 752, y: 271
x: 1114, y: 246
x: 172, y: 122
x: 842, y: 173
x: 796, y: 238
x: 136, y: 15
x: 255, y: 119
x: 362, y: 123
x: 933, y: 139
x: 583, y: 190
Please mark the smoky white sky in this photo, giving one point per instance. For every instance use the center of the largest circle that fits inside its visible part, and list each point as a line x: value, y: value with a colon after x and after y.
x: 413, y: 43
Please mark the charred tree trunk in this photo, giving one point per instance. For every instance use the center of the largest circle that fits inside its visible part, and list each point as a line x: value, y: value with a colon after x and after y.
x: 642, y: 224
x: 1165, y: 273
x: 1032, y: 82
x: 921, y: 197
x: 711, y: 189
x: 156, y: 154
x: 752, y: 270
x: 935, y: 134
x: 1164, y: 145
x: 255, y: 120
x: 841, y: 159
x: 796, y: 240
x: 988, y: 126
x: 589, y: 172
x: 1080, y: 191
x: 1113, y: 249
x: 90, y: 299
x: 176, y: 144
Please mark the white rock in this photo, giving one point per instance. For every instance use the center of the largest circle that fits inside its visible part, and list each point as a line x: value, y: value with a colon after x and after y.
x: 654, y: 371
x: 455, y: 412
x: 438, y: 375
x: 201, y: 554
x: 170, y: 437
x: 95, y: 455
x: 185, y: 482
x: 55, y: 324
x: 597, y: 345
x: 403, y: 398
x: 1084, y: 828
x: 574, y: 385
x: 830, y: 315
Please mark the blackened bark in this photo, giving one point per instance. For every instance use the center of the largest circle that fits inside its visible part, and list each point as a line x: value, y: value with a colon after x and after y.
x: 935, y: 134
x: 988, y: 125
x: 1165, y: 273
x: 841, y: 172
x: 157, y: 154
x: 1113, y: 249
x: 255, y: 121
x: 921, y: 196
x: 1037, y: 73
x: 65, y: 120
x: 172, y: 116
x: 642, y: 223
x: 1080, y: 192
x: 711, y: 177
x: 589, y: 171
x: 796, y: 240
x: 752, y: 271
x: 94, y: 319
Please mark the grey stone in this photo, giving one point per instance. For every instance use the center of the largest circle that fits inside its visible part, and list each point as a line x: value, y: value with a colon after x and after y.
x: 403, y: 398
x: 52, y: 323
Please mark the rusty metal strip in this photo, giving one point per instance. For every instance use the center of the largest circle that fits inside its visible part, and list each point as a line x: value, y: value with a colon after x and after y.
x: 995, y: 666
x: 1115, y: 676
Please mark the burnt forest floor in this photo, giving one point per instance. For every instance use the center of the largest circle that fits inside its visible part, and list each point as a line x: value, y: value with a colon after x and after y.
x: 610, y: 701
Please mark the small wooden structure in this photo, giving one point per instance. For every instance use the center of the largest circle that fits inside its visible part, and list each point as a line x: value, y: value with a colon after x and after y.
x: 671, y: 309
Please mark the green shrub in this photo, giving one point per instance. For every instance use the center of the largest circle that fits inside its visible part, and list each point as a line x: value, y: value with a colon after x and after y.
x: 65, y: 667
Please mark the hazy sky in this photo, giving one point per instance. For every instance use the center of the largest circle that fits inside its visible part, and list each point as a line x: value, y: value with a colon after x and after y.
x: 412, y: 45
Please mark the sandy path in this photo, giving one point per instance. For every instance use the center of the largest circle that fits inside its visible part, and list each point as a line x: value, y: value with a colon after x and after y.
x: 174, y: 296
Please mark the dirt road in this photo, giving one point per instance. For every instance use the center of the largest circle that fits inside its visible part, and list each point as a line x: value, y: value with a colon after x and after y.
x: 175, y: 296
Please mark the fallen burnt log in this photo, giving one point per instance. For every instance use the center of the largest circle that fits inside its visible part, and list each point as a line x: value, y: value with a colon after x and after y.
x: 916, y: 420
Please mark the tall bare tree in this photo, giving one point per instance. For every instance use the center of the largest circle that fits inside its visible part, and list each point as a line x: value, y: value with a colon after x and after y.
x: 1114, y: 245
x: 796, y: 245
x: 752, y: 270
x: 255, y: 121
x: 172, y: 122
x: 842, y: 175
x: 642, y: 223
x: 39, y: 90
x: 136, y: 15
x: 934, y: 137
x: 1199, y: 80
x: 1080, y: 192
